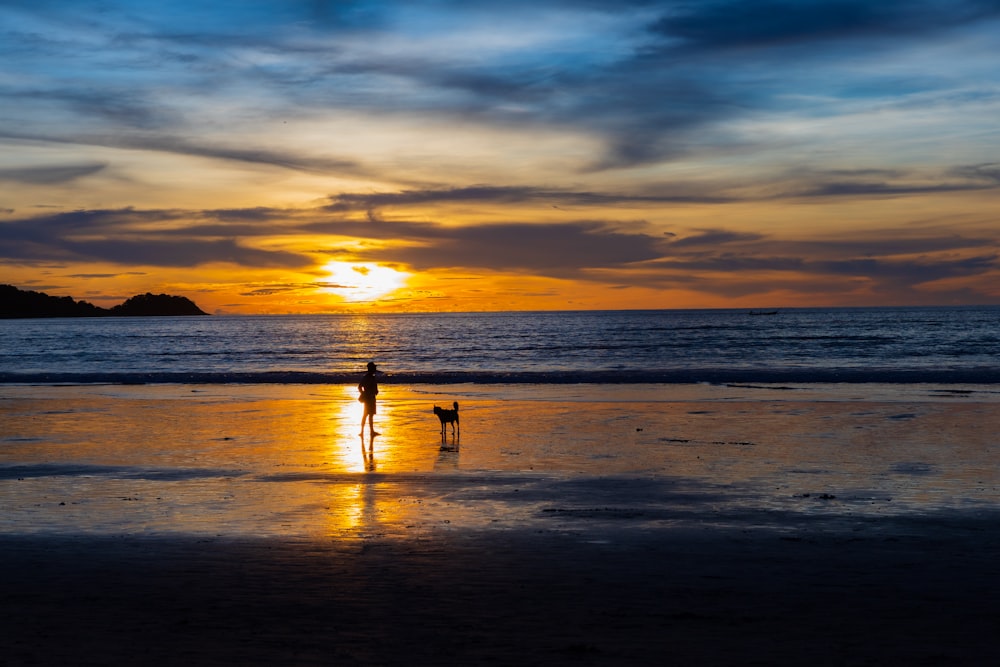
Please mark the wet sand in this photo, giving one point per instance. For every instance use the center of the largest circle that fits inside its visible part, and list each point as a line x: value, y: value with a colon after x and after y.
x: 210, y: 526
x: 926, y: 592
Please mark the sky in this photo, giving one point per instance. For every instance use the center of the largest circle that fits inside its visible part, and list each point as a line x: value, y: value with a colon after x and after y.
x: 306, y: 156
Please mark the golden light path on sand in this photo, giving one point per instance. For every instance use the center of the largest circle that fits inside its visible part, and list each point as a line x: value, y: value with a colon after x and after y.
x: 287, y: 460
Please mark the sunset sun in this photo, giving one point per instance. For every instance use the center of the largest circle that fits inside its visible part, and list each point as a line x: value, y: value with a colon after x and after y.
x: 358, y: 282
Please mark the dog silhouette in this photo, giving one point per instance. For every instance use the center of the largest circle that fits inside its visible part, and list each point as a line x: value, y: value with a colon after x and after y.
x: 448, y: 417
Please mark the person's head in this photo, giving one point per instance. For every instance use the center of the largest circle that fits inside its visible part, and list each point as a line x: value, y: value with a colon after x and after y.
x: 371, y: 367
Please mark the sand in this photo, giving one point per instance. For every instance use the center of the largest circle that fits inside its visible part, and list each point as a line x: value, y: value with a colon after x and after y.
x: 924, y: 593
x: 514, y: 550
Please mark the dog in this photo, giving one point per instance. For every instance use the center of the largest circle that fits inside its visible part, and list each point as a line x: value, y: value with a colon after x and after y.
x: 448, y: 417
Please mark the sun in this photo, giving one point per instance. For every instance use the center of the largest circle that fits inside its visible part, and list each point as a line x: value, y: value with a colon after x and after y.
x: 356, y: 282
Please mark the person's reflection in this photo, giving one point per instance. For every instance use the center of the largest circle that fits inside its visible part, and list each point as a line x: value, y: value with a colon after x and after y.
x: 368, y: 453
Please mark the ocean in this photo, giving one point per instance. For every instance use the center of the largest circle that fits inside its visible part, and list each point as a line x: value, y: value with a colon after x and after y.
x: 854, y: 345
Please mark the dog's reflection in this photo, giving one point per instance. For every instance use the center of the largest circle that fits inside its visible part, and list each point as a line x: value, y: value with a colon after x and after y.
x: 450, y: 443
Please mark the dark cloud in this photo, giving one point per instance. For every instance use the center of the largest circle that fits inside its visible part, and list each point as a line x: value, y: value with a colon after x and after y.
x: 87, y: 107
x: 256, y: 214
x: 873, y: 183
x: 252, y: 155
x: 50, y: 175
x: 95, y: 221
x: 397, y: 230
x: 486, y: 194
x: 174, y: 144
x: 854, y: 189
x: 720, y: 249
x: 106, y: 275
x: 713, y: 238
x: 905, y: 271
x: 987, y: 173
x: 724, y: 24
x: 882, y: 278
x: 909, y: 272
x: 288, y: 288
x: 154, y: 252
x: 729, y: 264
x: 544, y: 249
x: 125, y: 237
x: 885, y: 262
x: 186, y: 253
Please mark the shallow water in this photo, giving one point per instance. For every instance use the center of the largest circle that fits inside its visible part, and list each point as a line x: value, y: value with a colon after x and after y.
x: 287, y: 459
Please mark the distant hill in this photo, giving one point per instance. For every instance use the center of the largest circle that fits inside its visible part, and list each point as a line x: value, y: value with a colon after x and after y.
x: 16, y: 303
x: 157, y: 304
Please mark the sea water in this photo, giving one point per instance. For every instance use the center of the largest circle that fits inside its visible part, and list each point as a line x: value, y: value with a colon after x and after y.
x: 894, y: 345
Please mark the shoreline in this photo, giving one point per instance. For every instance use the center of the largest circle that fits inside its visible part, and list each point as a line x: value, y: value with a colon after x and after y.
x: 984, y: 377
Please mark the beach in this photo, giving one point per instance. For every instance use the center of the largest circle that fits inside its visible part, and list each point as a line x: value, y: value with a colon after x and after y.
x: 189, y: 524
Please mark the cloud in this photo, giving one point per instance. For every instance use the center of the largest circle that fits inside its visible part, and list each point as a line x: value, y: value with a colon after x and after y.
x: 856, y: 189
x: 252, y: 155
x: 106, y: 275
x: 272, y: 289
x: 185, y: 253
x: 709, y: 260
x: 797, y: 184
x: 988, y: 174
x: 808, y: 182
x: 50, y: 175
x: 732, y: 24
x: 714, y: 249
x: 487, y: 194
x: 129, y: 237
x: 544, y: 249
x: 713, y: 238
x: 649, y: 82
x: 165, y: 143
x: 709, y: 65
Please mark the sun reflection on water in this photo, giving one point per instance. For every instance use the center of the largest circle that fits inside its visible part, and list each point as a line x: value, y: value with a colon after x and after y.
x: 346, y: 447
x: 354, y: 507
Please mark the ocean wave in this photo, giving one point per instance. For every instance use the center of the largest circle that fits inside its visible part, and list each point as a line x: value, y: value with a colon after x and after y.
x: 983, y: 375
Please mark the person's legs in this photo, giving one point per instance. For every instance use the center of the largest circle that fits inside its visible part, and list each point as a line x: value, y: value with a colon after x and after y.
x: 369, y: 414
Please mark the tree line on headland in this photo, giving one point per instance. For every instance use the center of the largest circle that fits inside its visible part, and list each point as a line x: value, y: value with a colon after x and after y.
x: 21, y: 303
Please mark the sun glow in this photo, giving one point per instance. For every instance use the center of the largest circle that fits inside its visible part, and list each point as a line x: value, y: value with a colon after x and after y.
x: 357, y: 282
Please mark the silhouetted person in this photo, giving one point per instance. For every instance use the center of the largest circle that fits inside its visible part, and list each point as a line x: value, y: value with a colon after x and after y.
x: 369, y: 390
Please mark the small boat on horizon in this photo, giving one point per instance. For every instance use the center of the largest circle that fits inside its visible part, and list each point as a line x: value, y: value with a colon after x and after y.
x: 763, y: 312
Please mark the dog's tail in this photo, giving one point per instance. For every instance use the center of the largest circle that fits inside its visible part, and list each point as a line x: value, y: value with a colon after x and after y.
x: 456, y: 405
